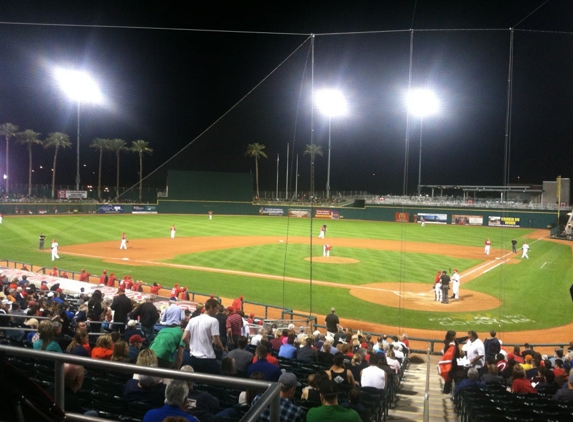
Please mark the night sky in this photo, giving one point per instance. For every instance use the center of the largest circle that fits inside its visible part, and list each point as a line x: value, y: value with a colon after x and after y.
x: 223, y: 90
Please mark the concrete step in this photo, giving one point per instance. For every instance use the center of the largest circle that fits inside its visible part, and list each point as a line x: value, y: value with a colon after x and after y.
x: 409, y: 405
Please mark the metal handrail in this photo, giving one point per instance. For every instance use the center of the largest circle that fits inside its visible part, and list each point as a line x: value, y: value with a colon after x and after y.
x: 270, y: 389
x: 427, y: 388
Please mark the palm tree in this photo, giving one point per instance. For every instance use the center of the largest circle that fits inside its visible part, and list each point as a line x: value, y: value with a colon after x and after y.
x: 256, y: 151
x: 8, y: 130
x: 117, y: 145
x: 313, y: 150
x: 101, y: 144
x: 57, y: 140
x: 141, y: 147
x: 29, y: 138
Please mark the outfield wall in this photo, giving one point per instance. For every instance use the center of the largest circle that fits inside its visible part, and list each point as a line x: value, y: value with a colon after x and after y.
x: 467, y: 216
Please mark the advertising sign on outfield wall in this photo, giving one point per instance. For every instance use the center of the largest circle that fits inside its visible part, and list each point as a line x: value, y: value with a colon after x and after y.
x: 293, y: 212
x: 72, y: 194
x: 467, y: 220
x: 144, y: 209
x: 110, y: 209
x: 330, y: 214
x: 432, y: 218
x: 504, y: 221
x: 402, y: 217
x: 271, y: 211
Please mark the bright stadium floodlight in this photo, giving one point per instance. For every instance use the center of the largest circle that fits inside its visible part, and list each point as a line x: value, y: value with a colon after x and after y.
x: 421, y: 102
x: 331, y: 103
x: 80, y: 87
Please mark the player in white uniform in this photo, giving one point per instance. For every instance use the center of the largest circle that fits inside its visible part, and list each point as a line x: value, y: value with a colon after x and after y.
x: 322, y: 232
x: 487, y: 246
x: 525, y: 249
x: 55, y: 250
x: 123, y: 241
x: 173, y: 231
x: 455, y: 284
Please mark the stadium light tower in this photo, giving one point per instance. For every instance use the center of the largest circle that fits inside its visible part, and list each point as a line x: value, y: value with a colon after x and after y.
x: 421, y: 102
x: 80, y: 87
x: 331, y: 103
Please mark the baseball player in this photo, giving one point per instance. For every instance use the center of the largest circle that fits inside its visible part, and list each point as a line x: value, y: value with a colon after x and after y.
x: 422, y: 222
x: 210, y: 215
x: 55, y: 250
x: 173, y: 230
x: 326, y: 250
x: 322, y: 232
x: 525, y: 249
x: 487, y: 246
x: 54, y: 272
x: 455, y: 284
x: 1, y: 218
x: 438, y: 286
x: 513, y: 245
x: 123, y: 241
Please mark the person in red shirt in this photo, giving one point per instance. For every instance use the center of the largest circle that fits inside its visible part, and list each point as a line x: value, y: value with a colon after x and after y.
x: 515, y: 355
x: 520, y: 383
x: 111, y: 280
x: 127, y: 282
x: 175, y: 291
x: 155, y: 288
x: 84, y: 276
x: 137, y: 286
x: 64, y: 274
x: 44, y: 286
x: 24, y: 268
x: 487, y: 247
x: 184, y: 294
x: 103, y: 278
x: 54, y: 272
x: 238, y: 304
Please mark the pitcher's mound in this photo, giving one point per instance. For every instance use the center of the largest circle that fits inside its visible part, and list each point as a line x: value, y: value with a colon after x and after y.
x: 332, y: 260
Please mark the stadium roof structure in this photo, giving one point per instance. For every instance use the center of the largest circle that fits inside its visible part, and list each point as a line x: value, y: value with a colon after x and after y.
x: 484, y: 188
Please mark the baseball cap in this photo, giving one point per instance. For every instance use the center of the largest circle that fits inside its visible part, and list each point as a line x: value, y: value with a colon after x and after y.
x: 332, y: 310
x: 288, y: 379
x: 173, y: 299
x: 455, y: 270
x: 328, y: 388
x: 230, y: 308
x: 136, y: 338
x: 44, y: 282
x: 252, y: 315
x: 51, y: 294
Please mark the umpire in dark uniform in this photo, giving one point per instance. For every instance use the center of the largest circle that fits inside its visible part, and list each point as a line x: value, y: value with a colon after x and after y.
x: 445, y: 280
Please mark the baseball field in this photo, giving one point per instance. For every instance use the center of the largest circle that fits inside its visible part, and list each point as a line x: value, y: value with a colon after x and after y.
x: 379, y: 275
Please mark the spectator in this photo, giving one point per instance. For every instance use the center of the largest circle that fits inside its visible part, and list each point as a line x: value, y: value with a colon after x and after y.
x: 173, y: 315
x: 46, y: 338
x: 135, y: 343
x: 146, y: 358
x: 234, y: 327
x: 256, y: 339
x: 475, y: 351
x: 168, y: 343
x: 565, y: 393
x: 122, y: 306
x: 471, y: 381
x: 175, y: 404
x: 331, y: 411
x: 132, y: 330
x: 80, y: 345
x: 270, y: 358
x: 307, y: 353
x: 373, y: 375
x: 310, y: 392
x: 288, y: 351
x: 491, y: 346
x: 288, y: 411
x: 342, y: 377
x: 148, y: 317
x: 103, y: 348
x: 332, y: 322
x: 246, y: 397
x: 73, y: 381
x: 492, y: 375
x: 228, y: 367
x: 147, y: 389
x: 121, y: 352
x: 201, y: 333
x: 242, y: 357
x: 547, y: 383
x: 271, y: 372
x: 520, y: 384
x: 199, y: 401
x: 325, y: 355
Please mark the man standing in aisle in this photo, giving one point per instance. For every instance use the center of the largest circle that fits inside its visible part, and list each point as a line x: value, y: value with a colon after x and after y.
x: 487, y: 246
x: 200, y: 335
x: 332, y: 322
x: 455, y: 284
x: 525, y: 249
x: 55, y: 250
x: 123, y: 241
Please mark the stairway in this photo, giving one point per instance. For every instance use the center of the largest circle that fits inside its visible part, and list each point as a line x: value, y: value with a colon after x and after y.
x: 409, y: 405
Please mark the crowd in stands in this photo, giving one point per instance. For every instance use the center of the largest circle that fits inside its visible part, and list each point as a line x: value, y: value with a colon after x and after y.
x: 476, y: 365
x: 314, y: 370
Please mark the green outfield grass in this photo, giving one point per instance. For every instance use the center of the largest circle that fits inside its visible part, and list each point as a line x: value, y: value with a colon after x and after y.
x: 534, y: 292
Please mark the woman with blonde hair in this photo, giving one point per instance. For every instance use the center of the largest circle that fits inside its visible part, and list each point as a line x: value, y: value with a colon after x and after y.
x: 357, y: 364
x: 103, y: 348
x: 146, y: 357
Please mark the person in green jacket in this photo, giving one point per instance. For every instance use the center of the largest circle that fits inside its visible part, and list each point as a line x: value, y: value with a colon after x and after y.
x: 331, y: 411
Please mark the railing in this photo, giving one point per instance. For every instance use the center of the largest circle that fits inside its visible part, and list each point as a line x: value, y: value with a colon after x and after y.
x: 426, y: 416
x: 270, y: 389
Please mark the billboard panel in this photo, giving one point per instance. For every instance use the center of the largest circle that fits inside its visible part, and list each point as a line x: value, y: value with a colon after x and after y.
x: 467, y: 220
x: 504, y: 221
